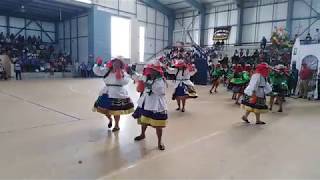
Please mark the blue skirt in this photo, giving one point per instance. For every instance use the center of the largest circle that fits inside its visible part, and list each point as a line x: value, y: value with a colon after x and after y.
x: 181, y: 90
x: 113, y: 106
x: 184, y: 91
x: 150, y: 118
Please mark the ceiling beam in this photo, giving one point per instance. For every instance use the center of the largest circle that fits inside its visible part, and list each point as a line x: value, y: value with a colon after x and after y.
x: 158, y: 6
x: 58, y: 5
x: 197, y: 5
x: 172, y: 3
x: 72, y: 3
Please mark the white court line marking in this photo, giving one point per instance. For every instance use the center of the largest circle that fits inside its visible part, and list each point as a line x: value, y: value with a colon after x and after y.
x: 160, y: 155
x: 73, y: 90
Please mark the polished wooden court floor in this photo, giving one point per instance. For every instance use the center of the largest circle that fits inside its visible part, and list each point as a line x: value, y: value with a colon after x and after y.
x: 48, y: 131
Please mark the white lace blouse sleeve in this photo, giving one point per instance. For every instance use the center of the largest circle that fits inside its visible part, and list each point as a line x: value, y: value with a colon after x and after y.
x: 253, y: 85
x: 172, y: 70
x: 137, y: 77
x: 192, y: 73
x: 99, y: 70
x: 125, y: 80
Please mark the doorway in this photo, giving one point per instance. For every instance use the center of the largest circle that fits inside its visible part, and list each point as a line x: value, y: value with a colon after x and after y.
x: 120, y: 37
x: 141, y: 43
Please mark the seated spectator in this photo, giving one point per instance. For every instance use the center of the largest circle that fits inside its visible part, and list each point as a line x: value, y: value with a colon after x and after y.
x: 34, y: 40
x: 218, y: 44
x: 2, y: 38
x: 235, y: 57
x: 224, y: 61
x: 308, y: 38
x: 8, y: 38
x: 89, y: 70
x: 39, y: 40
x: 318, y: 35
x: 263, y: 43
x: 255, y: 56
x: 29, y: 40
x: 83, y: 70
x: 12, y: 38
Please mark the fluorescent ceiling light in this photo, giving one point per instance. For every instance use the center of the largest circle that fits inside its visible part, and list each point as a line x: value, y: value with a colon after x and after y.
x: 85, y: 1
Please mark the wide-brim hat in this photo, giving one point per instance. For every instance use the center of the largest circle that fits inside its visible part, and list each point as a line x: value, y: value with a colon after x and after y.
x: 280, y: 67
x: 153, y: 67
x: 180, y: 64
x: 116, y: 62
x: 263, y: 69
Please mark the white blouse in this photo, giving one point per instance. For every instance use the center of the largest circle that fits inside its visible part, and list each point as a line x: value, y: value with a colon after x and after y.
x: 114, y: 87
x: 259, y: 85
x: 156, y: 100
x: 182, y: 78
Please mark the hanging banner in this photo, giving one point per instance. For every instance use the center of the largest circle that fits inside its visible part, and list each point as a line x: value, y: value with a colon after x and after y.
x: 221, y: 33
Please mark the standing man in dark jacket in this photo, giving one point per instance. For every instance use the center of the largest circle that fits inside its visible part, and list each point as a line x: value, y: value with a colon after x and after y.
x: 263, y: 43
x: 293, y: 79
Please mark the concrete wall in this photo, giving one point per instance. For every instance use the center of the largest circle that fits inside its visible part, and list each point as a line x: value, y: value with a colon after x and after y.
x: 73, y: 37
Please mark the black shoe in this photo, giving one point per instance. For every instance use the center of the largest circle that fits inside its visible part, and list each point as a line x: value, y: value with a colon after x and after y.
x: 115, y: 129
x: 245, y: 119
x: 260, y: 123
x: 161, y: 147
x: 139, y: 138
x: 110, y: 124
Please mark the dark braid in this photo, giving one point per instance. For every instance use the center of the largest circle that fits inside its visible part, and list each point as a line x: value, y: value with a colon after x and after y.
x: 107, y: 74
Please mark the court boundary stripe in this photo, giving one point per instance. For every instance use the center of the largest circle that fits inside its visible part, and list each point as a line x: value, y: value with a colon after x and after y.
x: 40, y: 105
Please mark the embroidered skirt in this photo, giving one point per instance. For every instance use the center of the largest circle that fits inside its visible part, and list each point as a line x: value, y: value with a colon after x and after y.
x: 259, y: 107
x: 113, y: 106
x: 277, y: 90
x: 150, y: 118
x: 185, y: 91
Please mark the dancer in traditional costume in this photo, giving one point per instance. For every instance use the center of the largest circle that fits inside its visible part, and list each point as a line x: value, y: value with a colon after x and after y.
x: 216, y: 75
x: 184, y: 88
x: 230, y: 75
x: 152, y: 106
x: 248, y: 68
x: 279, y: 81
x: 254, y: 100
x: 114, y: 99
x: 239, y: 82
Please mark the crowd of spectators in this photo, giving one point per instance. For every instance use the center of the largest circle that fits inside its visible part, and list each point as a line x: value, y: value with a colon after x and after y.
x: 33, y: 54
